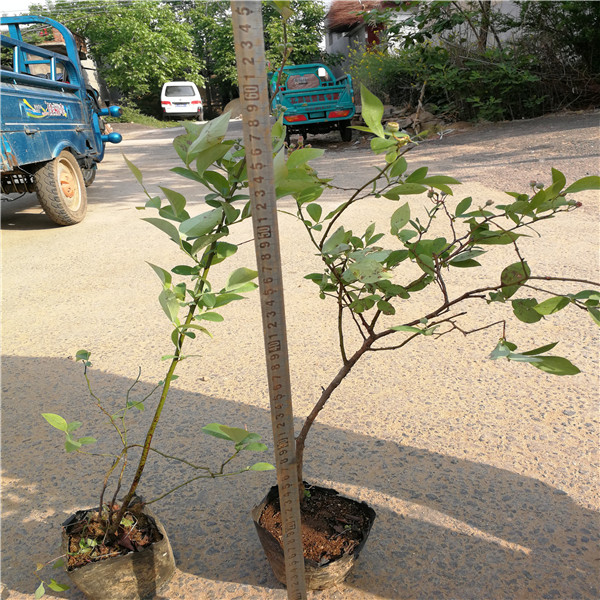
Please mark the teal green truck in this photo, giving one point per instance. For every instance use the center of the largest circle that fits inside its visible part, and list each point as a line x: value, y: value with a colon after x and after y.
x: 313, y: 100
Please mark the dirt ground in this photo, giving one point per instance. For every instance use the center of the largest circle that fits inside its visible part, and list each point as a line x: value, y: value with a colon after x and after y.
x: 484, y: 474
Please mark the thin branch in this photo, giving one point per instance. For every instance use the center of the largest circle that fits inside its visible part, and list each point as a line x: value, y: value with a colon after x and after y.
x: 567, y: 279
x: 181, y: 460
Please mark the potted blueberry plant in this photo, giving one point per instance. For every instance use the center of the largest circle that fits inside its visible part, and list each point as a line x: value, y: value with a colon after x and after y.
x: 119, y: 548
x: 414, y: 265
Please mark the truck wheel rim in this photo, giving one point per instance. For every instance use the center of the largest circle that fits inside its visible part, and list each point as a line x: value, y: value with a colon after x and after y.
x: 68, y: 184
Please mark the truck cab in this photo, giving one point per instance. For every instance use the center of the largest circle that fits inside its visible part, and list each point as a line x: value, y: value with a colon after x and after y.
x: 313, y: 100
x: 52, y: 133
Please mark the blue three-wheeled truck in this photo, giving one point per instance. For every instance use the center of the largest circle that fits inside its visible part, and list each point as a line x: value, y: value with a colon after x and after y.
x: 52, y: 130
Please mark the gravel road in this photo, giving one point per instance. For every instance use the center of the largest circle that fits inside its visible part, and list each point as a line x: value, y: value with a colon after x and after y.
x: 484, y: 474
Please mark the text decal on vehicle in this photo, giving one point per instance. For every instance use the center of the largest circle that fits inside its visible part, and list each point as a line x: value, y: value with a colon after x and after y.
x: 37, y: 111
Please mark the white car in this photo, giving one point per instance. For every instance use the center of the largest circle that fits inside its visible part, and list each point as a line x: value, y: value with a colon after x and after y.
x: 181, y: 99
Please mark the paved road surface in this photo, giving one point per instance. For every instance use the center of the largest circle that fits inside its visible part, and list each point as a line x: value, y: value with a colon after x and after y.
x: 484, y: 475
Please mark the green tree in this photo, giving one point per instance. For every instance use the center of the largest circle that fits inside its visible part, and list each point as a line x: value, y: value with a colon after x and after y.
x: 212, y: 30
x: 136, y: 45
x: 568, y: 30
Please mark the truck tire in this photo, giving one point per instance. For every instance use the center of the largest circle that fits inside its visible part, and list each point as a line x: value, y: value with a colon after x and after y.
x: 61, y: 189
x: 345, y: 131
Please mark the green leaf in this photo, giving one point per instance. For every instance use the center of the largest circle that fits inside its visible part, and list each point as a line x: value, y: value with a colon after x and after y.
x: 365, y: 271
x: 261, y: 466
x: 524, y: 310
x: 417, y: 176
x: 211, y: 156
x: 465, y: 264
x: 201, y: 224
x: 210, y: 316
x: 501, y: 350
x: 239, y: 278
x: 234, y: 433
x: 404, y: 189
x: 56, y: 421
x: 154, y: 202
x: 407, y: 328
x: 380, y: 145
x: 315, y: 211
x: 595, y: 314
x: 212, y: 133
x: 136, y: 172
x: 176, y: 200
x: 585, y: 294
x: 585, y: 183
x: 57, y: 587
x: 170, y: 304
x: 513, y: 276
x: 214, y: 429
x: 58, y: 563
x: 82, y: 355
x: 556, y: 365
x: 467, y: 255
x: 255, y: 447
x: 463, y: 206
x: 435, y: 180
x: 552, y: 305
x: 540, y: 350
x: 166, y: 227
x: 218, y: 181
x: 184, y: 329
x: 399, y: 167
x: 386, y: 308
x: 334, y: 240
x: 163, y: 275
x: 372, y: 111
x: 73, y: 426
x: 426, y: 263
x: 498, y: 238
x: 41, y: 590
x: 302, y: 156
x: 184, y: 270
x: 71, y: 445
x: 87, y: 440
x: 400, y: 218
x: 226, y: 298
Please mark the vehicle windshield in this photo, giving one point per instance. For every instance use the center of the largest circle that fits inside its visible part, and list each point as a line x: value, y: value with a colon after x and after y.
x: 179, y: 90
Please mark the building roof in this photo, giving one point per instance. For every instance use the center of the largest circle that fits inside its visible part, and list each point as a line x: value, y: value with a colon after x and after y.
x: 344, y: 15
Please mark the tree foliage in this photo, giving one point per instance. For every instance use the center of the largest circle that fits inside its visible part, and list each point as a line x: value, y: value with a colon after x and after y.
x: 479, y: 60
x: 137, y: 46
x: 212, y: 31
x: 140, y: 44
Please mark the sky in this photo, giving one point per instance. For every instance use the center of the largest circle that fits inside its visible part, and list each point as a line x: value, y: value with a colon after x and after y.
x: 11, y: 7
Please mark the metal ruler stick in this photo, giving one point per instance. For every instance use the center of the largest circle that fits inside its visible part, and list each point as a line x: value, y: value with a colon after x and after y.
x: 250, y: 57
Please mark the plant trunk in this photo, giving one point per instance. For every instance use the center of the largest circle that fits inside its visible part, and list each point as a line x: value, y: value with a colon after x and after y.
x: 301, y: 437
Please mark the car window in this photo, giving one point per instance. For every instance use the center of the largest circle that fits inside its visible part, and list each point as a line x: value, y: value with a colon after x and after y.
x: 179, y: 90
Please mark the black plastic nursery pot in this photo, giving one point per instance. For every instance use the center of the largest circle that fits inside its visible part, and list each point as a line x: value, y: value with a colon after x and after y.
x: 132, y: 576
x: 321, y: 574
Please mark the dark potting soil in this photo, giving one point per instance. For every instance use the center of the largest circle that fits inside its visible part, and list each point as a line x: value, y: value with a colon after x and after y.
x: 88, y: 543
x: 331, y: 525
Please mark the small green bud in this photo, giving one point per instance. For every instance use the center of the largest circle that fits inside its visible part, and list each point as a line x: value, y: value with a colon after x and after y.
x: 392, y: 126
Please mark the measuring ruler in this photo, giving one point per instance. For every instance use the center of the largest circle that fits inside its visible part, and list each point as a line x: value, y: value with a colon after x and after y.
x: 252, y: 78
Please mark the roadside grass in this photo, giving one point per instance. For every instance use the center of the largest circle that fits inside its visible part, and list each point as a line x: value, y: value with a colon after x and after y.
x: 133, y: 115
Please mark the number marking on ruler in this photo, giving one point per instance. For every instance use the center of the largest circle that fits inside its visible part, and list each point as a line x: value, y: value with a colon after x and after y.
x: 250, y: 56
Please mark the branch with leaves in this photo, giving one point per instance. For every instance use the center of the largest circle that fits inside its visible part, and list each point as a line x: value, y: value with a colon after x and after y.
x: 369, y: 281
x: 191, y: 304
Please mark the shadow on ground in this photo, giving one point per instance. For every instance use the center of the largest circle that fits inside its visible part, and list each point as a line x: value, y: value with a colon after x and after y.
x: 446, y: 527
